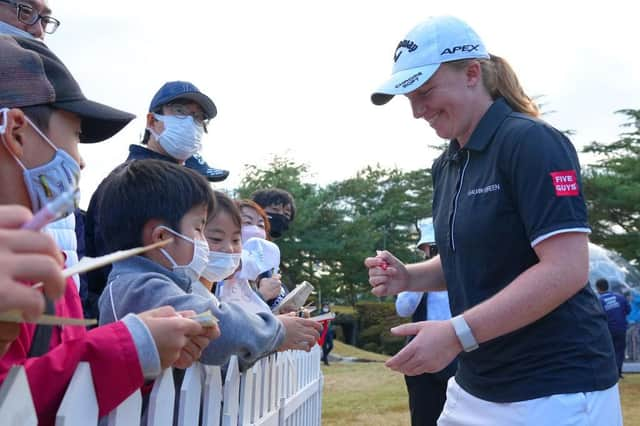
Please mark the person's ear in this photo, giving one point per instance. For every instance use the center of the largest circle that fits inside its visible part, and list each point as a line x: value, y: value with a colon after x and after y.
x: 473, y: 73
x: 15, y: 131
x: 155, y: 124
x: 152, y: 232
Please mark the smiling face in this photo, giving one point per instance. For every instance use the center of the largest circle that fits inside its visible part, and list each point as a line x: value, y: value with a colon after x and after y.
x: 223, y: 234
x: 447, y: 101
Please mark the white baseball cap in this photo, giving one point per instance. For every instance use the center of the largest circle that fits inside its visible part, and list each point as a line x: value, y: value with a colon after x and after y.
x: 438, y: 39
x: 258, y: 256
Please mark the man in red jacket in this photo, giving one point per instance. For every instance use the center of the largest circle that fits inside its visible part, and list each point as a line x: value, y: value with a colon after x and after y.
x: 43, y: 117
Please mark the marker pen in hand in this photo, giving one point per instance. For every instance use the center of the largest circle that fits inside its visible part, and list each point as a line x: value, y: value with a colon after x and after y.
x: 62, y: 205
x: 384, y: 265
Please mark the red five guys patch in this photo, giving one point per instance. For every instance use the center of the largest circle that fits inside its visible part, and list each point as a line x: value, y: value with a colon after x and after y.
x: 565, y: 183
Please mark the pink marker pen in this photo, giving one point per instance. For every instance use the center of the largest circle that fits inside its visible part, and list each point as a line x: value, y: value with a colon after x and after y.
x: 57, y: 208
x: 384, y: 265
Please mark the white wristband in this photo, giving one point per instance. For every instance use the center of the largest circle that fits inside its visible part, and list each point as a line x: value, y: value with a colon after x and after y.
x: 468, y: 342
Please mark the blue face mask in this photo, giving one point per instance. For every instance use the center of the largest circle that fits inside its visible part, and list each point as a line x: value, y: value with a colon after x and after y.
x: 48, y: 181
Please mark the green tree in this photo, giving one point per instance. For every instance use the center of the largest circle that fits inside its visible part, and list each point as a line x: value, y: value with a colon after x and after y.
x: 612, y: 190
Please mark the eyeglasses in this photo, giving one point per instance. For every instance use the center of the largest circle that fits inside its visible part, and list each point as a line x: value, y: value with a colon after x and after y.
x: 28, y: 15
x: 181, y: 111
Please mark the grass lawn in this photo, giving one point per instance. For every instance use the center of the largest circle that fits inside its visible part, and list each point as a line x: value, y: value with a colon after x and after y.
x: 369, y: 394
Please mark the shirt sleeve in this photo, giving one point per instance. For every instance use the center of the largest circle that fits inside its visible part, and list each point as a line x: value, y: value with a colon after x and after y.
x: 544, y: 174
x: 145, y: 345
x: 407, y: 302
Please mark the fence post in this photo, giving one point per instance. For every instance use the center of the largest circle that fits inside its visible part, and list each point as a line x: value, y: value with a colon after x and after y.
x: 160, y: 412
x: 128, y: 413
x: 231, y: 393
x: 16, y: 403
x: 247, y: 396
x: 79, y: 405
x: 190, y: 392
x: 272, y: 379
x: 212, y: 396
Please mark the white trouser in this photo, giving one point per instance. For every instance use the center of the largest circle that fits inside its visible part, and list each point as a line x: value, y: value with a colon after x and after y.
x: 572, y: 409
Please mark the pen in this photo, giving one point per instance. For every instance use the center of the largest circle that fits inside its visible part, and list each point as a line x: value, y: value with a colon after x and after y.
x: 55, y: 209
x: 384, y: 265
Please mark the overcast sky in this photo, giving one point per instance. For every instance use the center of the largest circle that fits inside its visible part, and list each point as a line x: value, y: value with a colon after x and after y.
x: 294, y: 77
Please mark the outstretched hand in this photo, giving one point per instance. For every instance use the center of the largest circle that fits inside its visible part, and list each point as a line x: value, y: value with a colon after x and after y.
x: 433, y: 348
x: 300, y: 333
x: 179, y: 340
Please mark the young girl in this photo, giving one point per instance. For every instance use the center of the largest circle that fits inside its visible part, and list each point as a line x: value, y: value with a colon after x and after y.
x: 223, y: 233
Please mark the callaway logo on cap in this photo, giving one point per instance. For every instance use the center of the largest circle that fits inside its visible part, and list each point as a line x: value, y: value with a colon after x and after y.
x: 417, y: 57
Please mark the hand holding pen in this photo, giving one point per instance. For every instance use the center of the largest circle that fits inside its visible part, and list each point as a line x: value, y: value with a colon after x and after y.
x: 26, y: 256
x: 54, y: 210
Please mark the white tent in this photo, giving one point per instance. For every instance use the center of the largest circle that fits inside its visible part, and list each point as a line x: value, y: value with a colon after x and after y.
x: 608, y: 264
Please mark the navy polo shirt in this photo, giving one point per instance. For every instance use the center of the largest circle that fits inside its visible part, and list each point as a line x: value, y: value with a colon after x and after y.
x: 515, y: 183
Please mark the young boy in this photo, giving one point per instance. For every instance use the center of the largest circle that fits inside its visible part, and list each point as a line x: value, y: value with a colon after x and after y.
x: 148, y: 201
x: 43, y: 117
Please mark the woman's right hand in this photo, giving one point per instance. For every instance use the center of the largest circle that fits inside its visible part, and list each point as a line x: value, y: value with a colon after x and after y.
x: 387, y: 274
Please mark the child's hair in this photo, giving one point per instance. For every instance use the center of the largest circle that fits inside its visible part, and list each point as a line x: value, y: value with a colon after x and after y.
x: 250, y: 204
x: 275, y: 196
x: 141, y: 190
x: 225, y: 204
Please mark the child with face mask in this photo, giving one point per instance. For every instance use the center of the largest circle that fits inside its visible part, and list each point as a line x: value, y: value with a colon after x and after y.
x: 43, y: 118
x: 152, y: 201
x: 223, y: 233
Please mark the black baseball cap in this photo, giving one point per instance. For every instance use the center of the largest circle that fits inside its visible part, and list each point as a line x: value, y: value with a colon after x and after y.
x: 30, y: 75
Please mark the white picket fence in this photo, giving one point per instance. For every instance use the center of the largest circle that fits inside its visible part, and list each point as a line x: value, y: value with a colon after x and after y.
x: 284, y: 389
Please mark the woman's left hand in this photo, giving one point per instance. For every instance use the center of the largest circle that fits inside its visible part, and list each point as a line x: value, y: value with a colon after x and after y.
x: 433, y: 348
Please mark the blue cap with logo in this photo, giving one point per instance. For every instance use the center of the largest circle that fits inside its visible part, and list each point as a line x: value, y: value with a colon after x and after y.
x: 417, y: 57
x: 173, y: 90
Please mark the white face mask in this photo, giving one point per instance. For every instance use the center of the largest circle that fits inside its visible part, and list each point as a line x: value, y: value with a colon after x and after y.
x: 181, y: 137
x: 220, y: 265
x: 252, y: 231
x: 194, y: 269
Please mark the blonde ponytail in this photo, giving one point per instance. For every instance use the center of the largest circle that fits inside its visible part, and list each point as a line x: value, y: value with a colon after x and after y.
x: 501, y: 81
